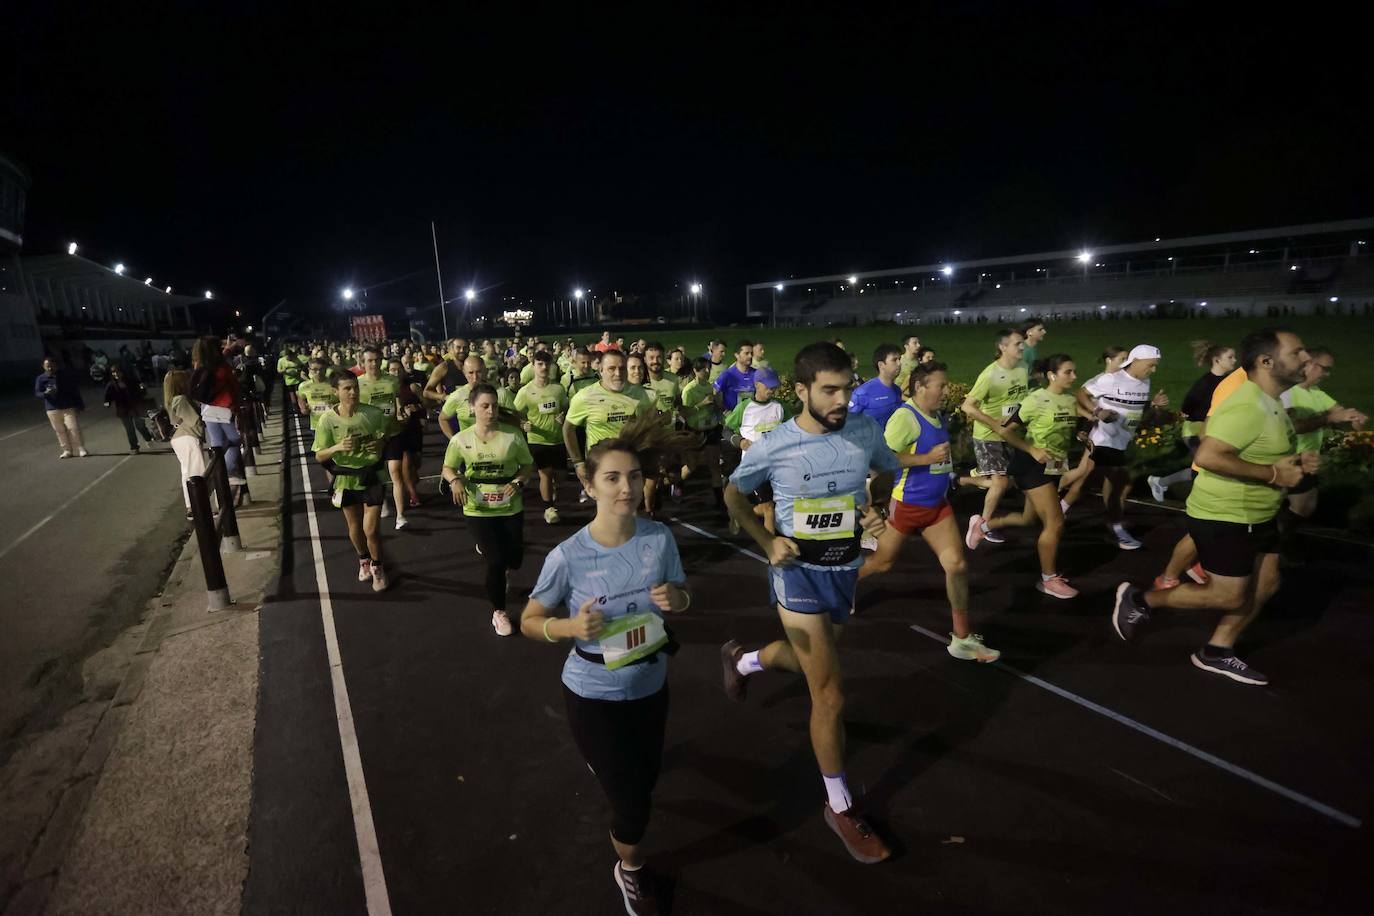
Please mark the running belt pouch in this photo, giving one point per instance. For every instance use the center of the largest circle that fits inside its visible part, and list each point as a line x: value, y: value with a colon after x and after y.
x: 366, y: 476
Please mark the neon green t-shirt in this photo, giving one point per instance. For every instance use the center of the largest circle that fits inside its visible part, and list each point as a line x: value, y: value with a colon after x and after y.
x: 319, y: 397
x: 1258, y: 427
x: 527, y: 373
x: 997, y: 392
x: 289, y: 368
x: 573, y: 385
x: 716, y: 370
x: 493, y: 364
x: 505, y: 398
x: 543, y: 409
x: 698, y: 405
x: 369, y: 426
x: 456, y: 405
x: 488, y: 466
x: 381, y: 393
x: 604, y: 412
x: 1050, y: 420
x: 664, y: 391
x: 1305, y: 403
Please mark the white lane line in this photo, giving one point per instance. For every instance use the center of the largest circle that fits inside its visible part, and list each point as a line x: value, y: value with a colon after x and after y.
x: 27, y: 429
x: 374, y: 881
x: 1224, y: 765
x: 53, y: 514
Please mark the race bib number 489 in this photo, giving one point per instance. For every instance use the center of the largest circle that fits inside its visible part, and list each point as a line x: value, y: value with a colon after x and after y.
x: 826, y: 519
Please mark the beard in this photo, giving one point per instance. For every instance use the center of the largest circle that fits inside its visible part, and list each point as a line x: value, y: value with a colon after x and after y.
x: 826, y: 422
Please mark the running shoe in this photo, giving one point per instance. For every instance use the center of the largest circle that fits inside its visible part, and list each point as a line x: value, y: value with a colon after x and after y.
x: 1229, y: 666
x: 1125, y: 541
x: 1129, y: 612
x: 734, y: 525
x: 66, y: 453
x: 134, y: 451
x: 863, y: 844
x: 501, y: 623
x: 1198, y: 574
x: 551, y: 515
x: 675, y: 491
x: 82, y: 453
x: 386, y: 509
x: 1056, y: 587
x: 364, y: 570
x: 401, y: 522
x: 636, y: 887
x: 975, y: 534
x: 992, y: 537
x: 736, y: 684
x: 971, y: 648
x: 1157, y: 488
x: 1164, y: 583
x: 379, y: 582
x: 414, y: 502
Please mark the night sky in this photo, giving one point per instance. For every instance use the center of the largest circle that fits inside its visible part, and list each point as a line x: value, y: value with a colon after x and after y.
x: 283, y: 155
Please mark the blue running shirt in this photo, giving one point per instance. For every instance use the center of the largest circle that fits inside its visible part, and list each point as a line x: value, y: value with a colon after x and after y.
x: 817, y: 467
x: 620, y: 577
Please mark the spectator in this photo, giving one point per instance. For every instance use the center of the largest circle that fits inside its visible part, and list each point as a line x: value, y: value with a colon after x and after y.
x: 188, y: 437
x: 61, y: 393
x: 126, y: 396
x: 216, y: 388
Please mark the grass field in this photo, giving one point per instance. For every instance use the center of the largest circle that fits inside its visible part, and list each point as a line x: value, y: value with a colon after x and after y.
x: 966, y: 349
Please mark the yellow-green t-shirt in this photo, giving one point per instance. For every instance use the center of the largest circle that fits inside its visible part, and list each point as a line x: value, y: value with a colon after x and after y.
x: 698, y: 409
x: 526, y: 373
x: 1306, y: 403
x: 456, y: 405
x: 574, y: 385
x: 664, y: 391
x: 488, y: 467
x: 369, y: 426
x: 543, y: 409
x: 319, y: 397
x: 997, y: 391
x: 604, y: 412
x: 1050, y: 420
x: 289, y: 368
x: 1258, y: 427
x: 381, y: 393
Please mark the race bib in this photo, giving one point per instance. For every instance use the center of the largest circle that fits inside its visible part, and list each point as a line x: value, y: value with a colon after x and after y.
x: 493, y: 495
x: 388, y: 408
x: 1056, y: 466
x: 1009, y: 409
x: 943, y: 467
x: 1130, y: 421
x: 765, y: 427
x: 826, y: 529
x: 548, y: 407
x: 319, y: 408
x: 628, y: 639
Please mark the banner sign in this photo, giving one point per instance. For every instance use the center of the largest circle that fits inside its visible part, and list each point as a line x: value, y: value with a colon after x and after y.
x: 369, y: 328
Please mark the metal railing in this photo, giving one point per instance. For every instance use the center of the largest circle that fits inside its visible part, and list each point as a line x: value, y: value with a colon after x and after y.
x: 214, y: 532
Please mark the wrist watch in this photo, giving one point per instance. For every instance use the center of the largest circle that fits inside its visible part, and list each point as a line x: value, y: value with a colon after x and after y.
x: 882, y: 512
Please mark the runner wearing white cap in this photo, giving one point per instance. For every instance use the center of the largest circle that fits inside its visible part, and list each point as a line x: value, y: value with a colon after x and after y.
x: 1117, y: 401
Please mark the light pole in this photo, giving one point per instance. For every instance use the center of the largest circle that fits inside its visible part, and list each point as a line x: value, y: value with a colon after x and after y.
x: 696, y: 302
x: 469, y: 295
x: 443, y: 308
x: 1083, y: 258
x: 577, y: 295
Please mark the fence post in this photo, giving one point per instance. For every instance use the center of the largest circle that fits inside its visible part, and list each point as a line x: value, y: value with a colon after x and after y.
x: 229, y: 524
x: 216, y: 587
x: 247, y: 438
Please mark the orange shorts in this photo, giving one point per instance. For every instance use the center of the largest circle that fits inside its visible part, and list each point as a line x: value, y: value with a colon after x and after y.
x: 909, y: 518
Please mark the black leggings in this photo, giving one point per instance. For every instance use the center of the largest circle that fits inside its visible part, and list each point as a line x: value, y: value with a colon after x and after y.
x: 502, y: 540
x: 622, y: 741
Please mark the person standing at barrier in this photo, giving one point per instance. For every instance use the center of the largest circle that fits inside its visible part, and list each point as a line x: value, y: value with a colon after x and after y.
x: 380, y: 390
x: 348, y: 442
x: 215, y: 387
x: 1048, y: 415
x: 542, y: 404
x: 916, y: 433
x: 818, y: 465
x: 1247, y: 457
x: 188, y: 436
x: 1118, y: 403
x: 617, y: 577
x: 994, y: 395
x: 486, y: 466
x: 60, y: 390
x: 127, y: 397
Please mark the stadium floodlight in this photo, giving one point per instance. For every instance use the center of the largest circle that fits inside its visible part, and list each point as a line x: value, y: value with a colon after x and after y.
x: 947, y: 270
x: 168, y: 290
x: 1255, y: 251
x: 469, y: 294
x: 1102, y: 307
x: 147, y: 281
x: 853, y: 280
x: 696, y: 289
x: 347, y: 292
x: 1294, y: 267
x: 1085, y: 256
x: 1334, y: 299
x: 71, y: 248
x: 958, y: 312
x: 119, y: 268
x: 999, y: 286
x: 1203, y: 303
x: 778, y: 287
x: 209, y: 295
x: 1023, y: 308
x: 577, y: 294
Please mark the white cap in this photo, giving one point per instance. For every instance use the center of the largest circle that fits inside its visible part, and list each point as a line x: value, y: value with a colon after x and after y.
x: 1141, y: 351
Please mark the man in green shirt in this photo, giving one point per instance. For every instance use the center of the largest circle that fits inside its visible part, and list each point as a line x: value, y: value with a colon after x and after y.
x: 663, y: 389
x: 1313, y: 413
x: 380, y: 390
x: 1248, y: 455
x: 543, y: 403
x: 1034, y: 332
x: 456, y: 407
x: 603, y: 408
x: 910, y: 345
x: 348, y: 442
x: 580, y: 374
x: 315, y: 396
x: 992, y: 399
x: 715, y: 352
x: 290, y: 370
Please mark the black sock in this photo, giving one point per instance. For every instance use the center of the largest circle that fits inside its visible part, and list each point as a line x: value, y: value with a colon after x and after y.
x: 718, y: 493
x: 1214, y: 651
x: 363, y: 556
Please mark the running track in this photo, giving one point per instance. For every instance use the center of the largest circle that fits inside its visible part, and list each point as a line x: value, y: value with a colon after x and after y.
x: 1052, y: 783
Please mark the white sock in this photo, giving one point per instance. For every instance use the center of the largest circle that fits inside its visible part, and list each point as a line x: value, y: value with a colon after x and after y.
x: 749, y: 664
x: 1120, y: 529
x: 838, y: 792
x: 624, y: 867
x: 983, y: 524
x: 1045, y: 578
x: 1182, y: 476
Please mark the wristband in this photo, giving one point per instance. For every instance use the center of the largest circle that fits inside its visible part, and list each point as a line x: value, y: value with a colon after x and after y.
x: 547, y: 621
x: 1274, y: 478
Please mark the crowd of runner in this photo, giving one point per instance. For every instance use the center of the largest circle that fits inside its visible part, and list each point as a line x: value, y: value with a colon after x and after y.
x: 829, y: 495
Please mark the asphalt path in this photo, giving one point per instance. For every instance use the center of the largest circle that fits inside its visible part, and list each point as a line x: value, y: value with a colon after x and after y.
x: 84, y: 542
x: 1079, y: 774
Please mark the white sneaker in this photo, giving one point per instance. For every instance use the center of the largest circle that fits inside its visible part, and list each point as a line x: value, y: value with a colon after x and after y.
x: 1125, y: 541
x: 66, y: 453
x: 386, y: 509
x: 401, y: 522
x: 364, y: 570
x: 379, y: 582
x: 1157, y: 488
x: 501, y: 623
x: 82, y: 453
x: 551, y: 515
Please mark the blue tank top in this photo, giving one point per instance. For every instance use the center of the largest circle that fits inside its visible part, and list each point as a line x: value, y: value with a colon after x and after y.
x: 924, y: 484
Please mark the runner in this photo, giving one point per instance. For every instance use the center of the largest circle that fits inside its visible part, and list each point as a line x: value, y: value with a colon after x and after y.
x: 1034, y: 332
x: 604, y: 344
x: 381, y: 391
x: 1248, y: 455
x: 636, y: 373
x: 760, y: 360
x: 289, y: 369
x: 993, y: 397
x: 1314, y: 413
x: 911, y: 358
x: 1118, y: 402
x: 1219, y: 360
x: 348, y: 442
x: 603, y: 409
x: 1048, y: 415
x: 619, y: 573
x: 678, y: 366
x: 410, y: 415
x: 486, y: 466
x: 1071, y: 484
x: 580, y: 375
x: 457, y: 406
x: 817, y: 465
x: 664, y: 391
x: 715, y: 353
x: 753, y: 418
x: 701, y: 415
x: 918, y: 435
x: 879, y: 396
x: 315, y: 395
x: 448, y: 375
x: 738, y: 379
x: 543, y: 404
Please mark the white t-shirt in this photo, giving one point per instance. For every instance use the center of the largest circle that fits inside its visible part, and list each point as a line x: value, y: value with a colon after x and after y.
x: 758, y: 419
x: 1125, y: 395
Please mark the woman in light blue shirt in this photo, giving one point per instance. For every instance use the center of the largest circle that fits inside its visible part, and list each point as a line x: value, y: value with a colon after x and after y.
x: 617, y: 577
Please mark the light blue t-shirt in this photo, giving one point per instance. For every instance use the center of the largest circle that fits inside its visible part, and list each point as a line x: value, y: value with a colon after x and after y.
x: 802, y: 465
x: 876, y: 400
x: 620, y: 578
